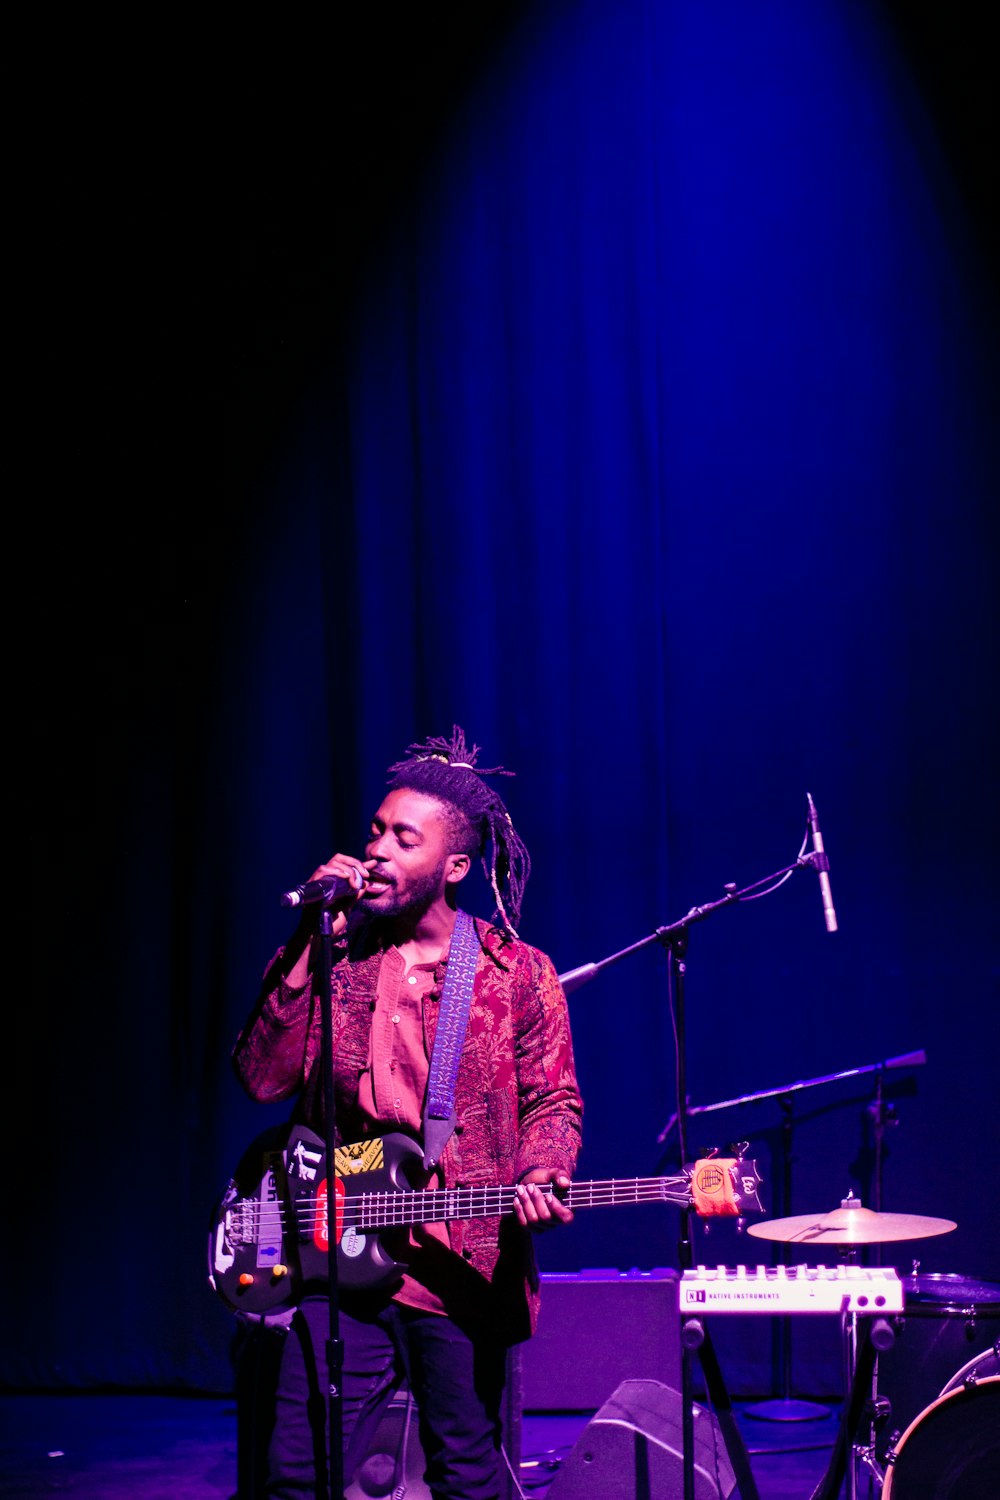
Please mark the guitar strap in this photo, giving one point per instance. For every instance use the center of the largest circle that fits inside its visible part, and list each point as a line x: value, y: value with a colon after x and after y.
x: 456, y: 998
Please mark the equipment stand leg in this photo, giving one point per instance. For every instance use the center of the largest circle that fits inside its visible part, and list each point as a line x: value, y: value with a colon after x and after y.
x: 859, y: 1370
x: 695, y: 1337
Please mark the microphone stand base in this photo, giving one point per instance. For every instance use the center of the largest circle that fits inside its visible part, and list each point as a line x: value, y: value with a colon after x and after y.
x: 786, y: 1411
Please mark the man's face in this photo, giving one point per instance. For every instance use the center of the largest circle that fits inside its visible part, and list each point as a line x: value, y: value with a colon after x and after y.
x: 407, y: 854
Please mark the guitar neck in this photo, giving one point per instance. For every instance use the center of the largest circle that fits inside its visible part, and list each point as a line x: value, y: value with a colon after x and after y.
x: 393, y: 1210
x: 619, y: 1190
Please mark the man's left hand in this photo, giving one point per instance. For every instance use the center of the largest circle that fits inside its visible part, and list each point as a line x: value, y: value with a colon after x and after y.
x: 538, y: 1210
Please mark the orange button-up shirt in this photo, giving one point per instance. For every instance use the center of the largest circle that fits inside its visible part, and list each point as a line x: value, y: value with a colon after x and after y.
x: 392, y: 1088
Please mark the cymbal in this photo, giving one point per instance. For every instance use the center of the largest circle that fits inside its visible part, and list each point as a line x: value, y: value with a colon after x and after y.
x: 850, y: 1224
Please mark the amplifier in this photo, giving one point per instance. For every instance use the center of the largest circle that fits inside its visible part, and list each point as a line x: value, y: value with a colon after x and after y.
x: 597, y: 1328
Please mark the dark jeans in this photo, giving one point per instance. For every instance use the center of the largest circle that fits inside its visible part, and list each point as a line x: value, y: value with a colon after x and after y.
x: 457, y: 1382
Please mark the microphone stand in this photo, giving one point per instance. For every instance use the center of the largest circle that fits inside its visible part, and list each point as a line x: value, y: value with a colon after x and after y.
x: 675, y: 938
x: 334, y: 1344
x: 785, y: 1408
x: 573, y: 978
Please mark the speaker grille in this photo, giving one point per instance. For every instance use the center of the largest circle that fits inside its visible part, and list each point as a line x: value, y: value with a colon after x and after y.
x: 395, y: 1454
x: 394, y: 1459
x: 632, y: 1449
x: 596, y: 1329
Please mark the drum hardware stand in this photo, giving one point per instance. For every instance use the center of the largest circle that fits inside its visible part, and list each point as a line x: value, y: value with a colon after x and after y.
x: 877, y: 1413
x: 874, y: 1410
x: 863, y: 1409
x: 881, y: 1114
x: 784, y: 1408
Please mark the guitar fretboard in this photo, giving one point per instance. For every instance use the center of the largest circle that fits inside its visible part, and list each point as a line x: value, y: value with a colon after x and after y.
x: 370, y: 1211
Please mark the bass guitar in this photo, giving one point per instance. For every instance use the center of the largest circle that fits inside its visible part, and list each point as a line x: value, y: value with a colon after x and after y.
x: 269, y: 1240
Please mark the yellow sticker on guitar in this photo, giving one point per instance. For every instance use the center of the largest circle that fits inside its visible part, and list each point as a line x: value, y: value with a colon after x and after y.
x: 360, y: 1156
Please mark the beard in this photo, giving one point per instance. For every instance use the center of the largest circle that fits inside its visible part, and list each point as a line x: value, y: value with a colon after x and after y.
x: 412, y: 901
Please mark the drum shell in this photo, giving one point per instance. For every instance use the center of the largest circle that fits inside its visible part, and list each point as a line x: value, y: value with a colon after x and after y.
x: 951, y: 1449
x: 947, y: 1321
x: 979, y: 1367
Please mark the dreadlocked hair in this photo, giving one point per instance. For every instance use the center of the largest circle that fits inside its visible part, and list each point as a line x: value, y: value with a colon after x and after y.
x: 477, y: 818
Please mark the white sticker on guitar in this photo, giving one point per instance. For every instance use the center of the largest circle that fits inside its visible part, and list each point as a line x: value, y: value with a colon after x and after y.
x: 352, y: 1244
x: 304, y: 1163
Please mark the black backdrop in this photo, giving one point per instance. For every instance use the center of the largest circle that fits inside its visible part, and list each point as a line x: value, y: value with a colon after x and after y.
x: 618, y: 381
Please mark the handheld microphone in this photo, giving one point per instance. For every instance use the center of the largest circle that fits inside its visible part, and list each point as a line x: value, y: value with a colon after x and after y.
x: 327, y: 888
x: 822, y: 865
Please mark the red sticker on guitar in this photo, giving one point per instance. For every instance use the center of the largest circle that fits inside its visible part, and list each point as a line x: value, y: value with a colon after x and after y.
x: 321, y: 1230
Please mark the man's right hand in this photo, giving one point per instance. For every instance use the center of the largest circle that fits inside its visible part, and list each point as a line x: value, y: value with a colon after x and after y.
x: 296, y: 962
x: 342, y: 867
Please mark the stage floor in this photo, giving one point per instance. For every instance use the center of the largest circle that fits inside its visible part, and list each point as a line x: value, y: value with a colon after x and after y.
x: 158, y: 1447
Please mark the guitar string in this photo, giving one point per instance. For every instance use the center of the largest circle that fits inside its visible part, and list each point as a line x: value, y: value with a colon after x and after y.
x: 657, y: 1187
x: 473, y: 1197
x: 466, y: 1203
x: 385, y: 1209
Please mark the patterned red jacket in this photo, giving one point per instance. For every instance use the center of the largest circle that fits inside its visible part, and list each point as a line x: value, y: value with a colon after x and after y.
x: 516, y: 1096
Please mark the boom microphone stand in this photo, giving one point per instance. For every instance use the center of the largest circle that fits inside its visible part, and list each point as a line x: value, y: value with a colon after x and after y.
x: 675, y: 938
x: 785, y: 1408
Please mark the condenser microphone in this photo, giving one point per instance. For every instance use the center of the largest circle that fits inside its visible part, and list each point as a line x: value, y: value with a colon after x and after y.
x: 327, y: 888
x: 822, y: 866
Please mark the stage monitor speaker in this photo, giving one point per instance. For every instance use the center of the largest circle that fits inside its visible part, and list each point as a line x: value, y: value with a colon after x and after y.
x: 597, y: 1328
x: 395, y: 1459
x: 395, y: 1462
x: 632, y: 1449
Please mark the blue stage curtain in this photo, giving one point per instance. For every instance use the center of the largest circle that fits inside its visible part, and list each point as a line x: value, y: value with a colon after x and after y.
x: 652, y: 439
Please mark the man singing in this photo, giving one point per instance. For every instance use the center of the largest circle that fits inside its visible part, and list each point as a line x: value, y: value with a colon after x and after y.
x: 466, y: 1290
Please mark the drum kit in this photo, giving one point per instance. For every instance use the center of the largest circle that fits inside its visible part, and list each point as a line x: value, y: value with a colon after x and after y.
x: 933, y: 1437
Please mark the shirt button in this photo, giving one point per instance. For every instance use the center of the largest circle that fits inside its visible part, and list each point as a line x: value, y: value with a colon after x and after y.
x: 398, y: 1103
x: 395, y: 1020
x: 412, y: 979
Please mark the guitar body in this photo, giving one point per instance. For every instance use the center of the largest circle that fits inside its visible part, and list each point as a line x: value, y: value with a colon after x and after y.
x: 269, y: 1242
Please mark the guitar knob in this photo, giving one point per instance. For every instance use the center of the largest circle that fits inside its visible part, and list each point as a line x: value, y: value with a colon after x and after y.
x: 278, y: 1271
x: 246, y: 1279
